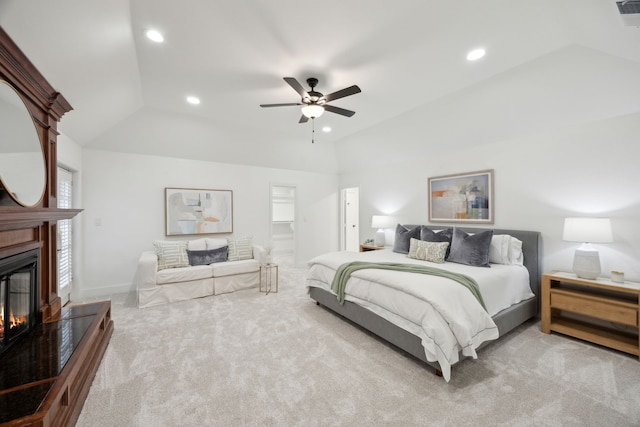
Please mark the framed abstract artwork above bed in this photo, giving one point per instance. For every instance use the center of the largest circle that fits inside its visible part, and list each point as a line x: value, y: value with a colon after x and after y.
x: 191, y: 211
x: 462, y: 198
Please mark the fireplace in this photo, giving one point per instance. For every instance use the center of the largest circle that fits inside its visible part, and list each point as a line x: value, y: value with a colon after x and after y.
x: 18, y: 296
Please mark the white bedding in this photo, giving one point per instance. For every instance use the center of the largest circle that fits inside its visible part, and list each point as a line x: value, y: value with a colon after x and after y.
x: 443, y: 313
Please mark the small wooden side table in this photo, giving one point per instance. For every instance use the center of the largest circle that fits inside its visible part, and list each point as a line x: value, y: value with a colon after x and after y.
x: 365, y: 248
x: 599, y: 311
x: 268, y: 277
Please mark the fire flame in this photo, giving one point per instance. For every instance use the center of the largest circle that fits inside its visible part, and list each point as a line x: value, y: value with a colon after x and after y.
x: 14, y: 321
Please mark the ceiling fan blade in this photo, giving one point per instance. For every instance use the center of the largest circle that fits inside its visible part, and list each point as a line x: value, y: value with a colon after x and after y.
x: 303, y: 119
x: 339, y: 110
x: 296, y: 86
x: 289, y: 104
x: 351, y: 90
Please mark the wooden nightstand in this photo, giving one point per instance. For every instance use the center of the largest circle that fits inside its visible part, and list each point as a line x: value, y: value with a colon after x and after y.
x: 365, y: 248
x: 599, y: 311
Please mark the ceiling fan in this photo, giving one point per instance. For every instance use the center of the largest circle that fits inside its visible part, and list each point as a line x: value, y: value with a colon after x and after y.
x: 315, y: 103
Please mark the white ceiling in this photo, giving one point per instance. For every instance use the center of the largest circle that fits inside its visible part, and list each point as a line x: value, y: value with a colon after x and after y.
x: 129, y: 94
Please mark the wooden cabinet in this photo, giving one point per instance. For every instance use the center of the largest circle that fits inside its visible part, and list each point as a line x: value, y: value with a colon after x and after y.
x: 365, y: 248
x: 599, y: 311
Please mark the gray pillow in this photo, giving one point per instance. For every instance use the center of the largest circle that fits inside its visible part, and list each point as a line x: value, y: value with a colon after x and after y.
x: 403, y: 238
x: 428, y: 235
x: 470, y: 249
x: 207, y: 257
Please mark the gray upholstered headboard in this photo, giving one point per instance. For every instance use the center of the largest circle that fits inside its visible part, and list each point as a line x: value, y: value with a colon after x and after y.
x: 531, y: 248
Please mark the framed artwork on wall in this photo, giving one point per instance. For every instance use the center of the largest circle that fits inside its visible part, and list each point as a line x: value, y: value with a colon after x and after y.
x: 462, y: 198
x: 191, y: 211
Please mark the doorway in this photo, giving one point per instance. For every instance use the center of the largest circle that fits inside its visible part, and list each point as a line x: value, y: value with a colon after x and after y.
x: 350, y: 219
x: 283, y: 224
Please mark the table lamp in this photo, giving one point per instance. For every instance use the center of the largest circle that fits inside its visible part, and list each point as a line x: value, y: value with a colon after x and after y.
x: 380, y: 222
x: 586, y: 261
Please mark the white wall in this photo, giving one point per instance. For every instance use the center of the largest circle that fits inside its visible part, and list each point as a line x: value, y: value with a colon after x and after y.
x: 123, y: 201
x: 562, y: 135
x: 539, y: 180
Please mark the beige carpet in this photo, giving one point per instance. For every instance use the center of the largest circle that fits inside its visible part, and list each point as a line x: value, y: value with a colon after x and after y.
x: 246, y: 359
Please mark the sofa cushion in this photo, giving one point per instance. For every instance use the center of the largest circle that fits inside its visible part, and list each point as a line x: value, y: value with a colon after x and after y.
x: 184, y: 274
x: 215, y: 243
x: 207, y: 257
x: 197, y: 245
x: 240, y: 249
x: 171, y: 254
x: 230, y: 268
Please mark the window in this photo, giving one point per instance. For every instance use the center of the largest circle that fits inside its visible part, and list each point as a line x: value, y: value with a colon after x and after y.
x: 65, y: 266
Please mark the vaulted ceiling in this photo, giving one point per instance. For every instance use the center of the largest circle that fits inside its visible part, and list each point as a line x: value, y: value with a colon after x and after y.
x: 128, y: 93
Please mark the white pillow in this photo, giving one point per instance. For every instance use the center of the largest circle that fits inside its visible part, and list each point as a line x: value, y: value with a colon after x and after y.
x: 197, y: 245
x: 239, y: 249
x: 215, y: 243
x: 505, y: 249
x: 427, y: 251
x: 171, y: 254
x: 515, y: 251
x: 499, y: 249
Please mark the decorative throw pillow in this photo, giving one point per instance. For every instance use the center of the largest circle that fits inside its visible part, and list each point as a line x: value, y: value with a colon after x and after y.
x: 240, y: 249
x: 171, y: 254
x: 470, y: 249
x: 429, y: 235
x: 216, y: 243
x: 403, y: 238
x: 207, y: 257
x: 197, y: 245
x: 428, y: 251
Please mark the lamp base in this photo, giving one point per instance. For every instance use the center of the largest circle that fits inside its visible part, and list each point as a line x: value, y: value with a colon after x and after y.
x: 379, y: 240
x: 586, y: 264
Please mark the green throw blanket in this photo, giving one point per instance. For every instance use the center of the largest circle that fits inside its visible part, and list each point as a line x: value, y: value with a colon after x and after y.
x: 345, y: 270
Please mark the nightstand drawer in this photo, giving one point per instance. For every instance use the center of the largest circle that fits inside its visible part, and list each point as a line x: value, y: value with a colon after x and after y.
x: 595, y: 306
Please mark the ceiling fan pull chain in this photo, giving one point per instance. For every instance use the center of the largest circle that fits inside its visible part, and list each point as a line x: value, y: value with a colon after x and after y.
x: 313, y: 130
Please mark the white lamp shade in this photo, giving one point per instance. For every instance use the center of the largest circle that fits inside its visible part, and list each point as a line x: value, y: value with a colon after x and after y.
x: 591, y: 230
x: 381, y: 221
x: 312, y: 111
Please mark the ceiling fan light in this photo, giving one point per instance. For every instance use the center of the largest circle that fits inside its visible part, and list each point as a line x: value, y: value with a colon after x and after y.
x: 312, y: 111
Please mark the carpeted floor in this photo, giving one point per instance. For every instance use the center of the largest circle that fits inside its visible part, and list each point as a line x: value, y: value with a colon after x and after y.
x: 247, y: 358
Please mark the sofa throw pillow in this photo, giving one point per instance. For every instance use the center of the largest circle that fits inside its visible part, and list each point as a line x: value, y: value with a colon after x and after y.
x: 171, y: 254
x: 428, y: 251
x: 403, y: 238
x: 207, y: 257
x: 429, y: 235
x: 470, y: 249
x: 197, y: 245
x: 216, y: 243
x: 240, y: 249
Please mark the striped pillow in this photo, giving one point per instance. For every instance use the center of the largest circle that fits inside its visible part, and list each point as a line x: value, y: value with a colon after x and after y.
x: 241, y: 248
x: 171, y: 254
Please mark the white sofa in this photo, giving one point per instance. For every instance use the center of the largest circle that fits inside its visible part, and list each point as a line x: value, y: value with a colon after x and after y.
x: 160, y: 286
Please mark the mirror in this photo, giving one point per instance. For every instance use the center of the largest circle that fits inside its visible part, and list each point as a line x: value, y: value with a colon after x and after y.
x: 22, y: 163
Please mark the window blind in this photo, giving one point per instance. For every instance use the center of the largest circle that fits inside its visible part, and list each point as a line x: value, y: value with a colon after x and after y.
x: 65, y: 267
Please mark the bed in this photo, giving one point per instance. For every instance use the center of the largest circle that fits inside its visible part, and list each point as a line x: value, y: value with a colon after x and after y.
x: 397, y: 316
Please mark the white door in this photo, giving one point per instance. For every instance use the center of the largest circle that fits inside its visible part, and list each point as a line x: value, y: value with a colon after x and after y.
x: 64, y: 237
x: 350, y: 214
x: 283, y: 224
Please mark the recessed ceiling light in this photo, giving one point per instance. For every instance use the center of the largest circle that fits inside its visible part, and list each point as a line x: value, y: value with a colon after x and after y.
x: 193, y: 100
x: 155, y: 36
x: 475, y: 54
x: 326, y: 129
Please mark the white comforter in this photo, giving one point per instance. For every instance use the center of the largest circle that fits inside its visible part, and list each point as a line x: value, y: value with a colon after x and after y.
x: 444, y: 314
